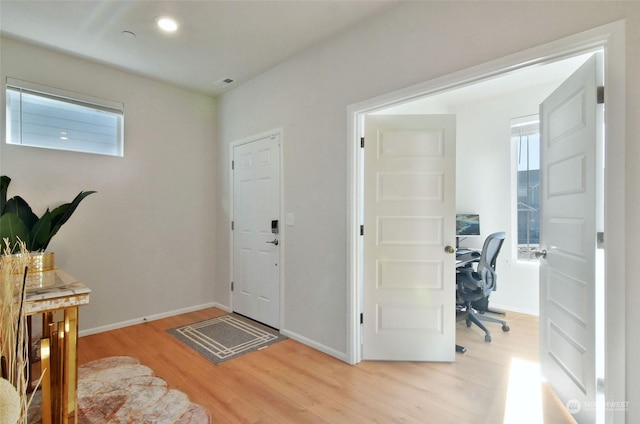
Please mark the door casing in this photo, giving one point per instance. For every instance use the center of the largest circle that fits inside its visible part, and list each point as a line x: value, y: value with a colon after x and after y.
x: 611, y: 38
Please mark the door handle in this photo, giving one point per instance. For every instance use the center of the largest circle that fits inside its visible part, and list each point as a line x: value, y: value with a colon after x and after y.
x: 449, y: 249
x: 274, y: 241
x: 540, y: 254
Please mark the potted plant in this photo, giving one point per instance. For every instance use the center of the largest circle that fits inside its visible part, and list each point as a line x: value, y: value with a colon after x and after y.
x: 18, y: 222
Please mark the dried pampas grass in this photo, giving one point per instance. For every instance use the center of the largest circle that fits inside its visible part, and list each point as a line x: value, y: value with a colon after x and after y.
x: 13, y: 332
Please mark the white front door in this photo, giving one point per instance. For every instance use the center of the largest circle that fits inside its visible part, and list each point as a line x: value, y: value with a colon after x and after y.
x: 409, y: 219
x: 571, y: 216
x: 256, y: 214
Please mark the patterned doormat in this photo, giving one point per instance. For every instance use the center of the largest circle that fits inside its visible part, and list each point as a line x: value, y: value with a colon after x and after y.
x: 226, y: 337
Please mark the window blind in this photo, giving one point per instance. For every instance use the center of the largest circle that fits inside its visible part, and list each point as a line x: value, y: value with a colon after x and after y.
x: 40, y: 116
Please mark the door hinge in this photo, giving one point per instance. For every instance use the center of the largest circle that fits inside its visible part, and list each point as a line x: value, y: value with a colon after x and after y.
x: 600, y: 95
x: 232, y: 286
x: 362, y: 230
x: 362, y: 142
x: 600, y: 240
x: 361, y: 318
x: 233, y: 164
x: 232, y: 225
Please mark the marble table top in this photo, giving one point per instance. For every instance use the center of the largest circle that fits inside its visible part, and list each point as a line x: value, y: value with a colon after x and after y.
x: 55, y: 289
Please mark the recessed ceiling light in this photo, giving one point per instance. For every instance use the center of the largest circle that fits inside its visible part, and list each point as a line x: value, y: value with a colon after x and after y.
x: 167, y: 24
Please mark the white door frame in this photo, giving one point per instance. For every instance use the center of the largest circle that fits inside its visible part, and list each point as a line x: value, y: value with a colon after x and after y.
x: 611, y: 38
x: 281, y: 235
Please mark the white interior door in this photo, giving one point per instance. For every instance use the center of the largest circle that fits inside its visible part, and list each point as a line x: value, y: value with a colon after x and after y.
x: 256, y: 214
x: 571, y: 217
x: 409, y: 218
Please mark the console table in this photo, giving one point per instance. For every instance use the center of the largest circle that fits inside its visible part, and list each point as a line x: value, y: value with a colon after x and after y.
x: 57, y: 295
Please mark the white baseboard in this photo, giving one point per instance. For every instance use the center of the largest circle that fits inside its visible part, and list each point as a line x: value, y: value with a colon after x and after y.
x: 315, y: 345
x: 506, y: 308
x: 141, y: 320
x: 223, y: 307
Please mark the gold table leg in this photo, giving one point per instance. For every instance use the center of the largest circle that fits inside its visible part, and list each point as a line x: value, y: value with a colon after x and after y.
x: 59, y: 356
x: 46, y: 380
x: 71, y: 364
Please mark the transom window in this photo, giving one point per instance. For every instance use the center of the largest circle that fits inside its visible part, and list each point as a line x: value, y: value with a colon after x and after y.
x: 39, y: 116
x: 525, y: 133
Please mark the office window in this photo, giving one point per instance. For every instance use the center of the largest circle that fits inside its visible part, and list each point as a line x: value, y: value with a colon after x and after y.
x: 525, y: 134
x: 39, y: 116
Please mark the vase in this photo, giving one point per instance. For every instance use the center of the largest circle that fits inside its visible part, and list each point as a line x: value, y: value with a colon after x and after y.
x: 38, y: 264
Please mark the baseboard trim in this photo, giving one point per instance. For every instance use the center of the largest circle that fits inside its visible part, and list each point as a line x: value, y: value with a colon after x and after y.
x: 315, y: 345
x: 508, y: 308
x: 141, y: 320
x: 223, y: 307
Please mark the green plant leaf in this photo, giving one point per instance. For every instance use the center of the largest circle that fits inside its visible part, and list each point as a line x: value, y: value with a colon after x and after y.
x: 40, y: 234
x: 20, y: 207
x: 17, y: 220
x: 4, y: 186
x: 62, y: 213
x: 12, y: 227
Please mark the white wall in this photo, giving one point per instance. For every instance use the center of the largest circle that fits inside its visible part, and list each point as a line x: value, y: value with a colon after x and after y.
x: 308, y: 97
x: 145, y: 243
x: 484, y: 185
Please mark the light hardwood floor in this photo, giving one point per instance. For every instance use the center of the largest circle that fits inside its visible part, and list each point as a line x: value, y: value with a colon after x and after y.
x: 291, y: 383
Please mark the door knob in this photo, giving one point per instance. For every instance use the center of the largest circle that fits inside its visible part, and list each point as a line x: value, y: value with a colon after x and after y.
x: 274, y: 241
x: 449, y: 249
x: 540, y: 254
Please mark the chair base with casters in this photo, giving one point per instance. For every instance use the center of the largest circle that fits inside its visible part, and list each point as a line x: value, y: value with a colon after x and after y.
x: 478, y: 309
x: 474, y: 318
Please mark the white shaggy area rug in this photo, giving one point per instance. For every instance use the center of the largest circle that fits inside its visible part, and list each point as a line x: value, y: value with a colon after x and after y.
x: 119, y: 389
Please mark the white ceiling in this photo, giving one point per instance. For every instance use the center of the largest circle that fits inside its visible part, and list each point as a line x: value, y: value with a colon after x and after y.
x: 528, y: 77
x: 215, y: 40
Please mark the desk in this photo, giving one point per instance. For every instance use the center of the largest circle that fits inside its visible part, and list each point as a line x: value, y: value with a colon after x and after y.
x: 466, y: 258
x: 57, y: 293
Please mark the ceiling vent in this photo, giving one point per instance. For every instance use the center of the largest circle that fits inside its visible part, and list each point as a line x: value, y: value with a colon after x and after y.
x: 223, y: 83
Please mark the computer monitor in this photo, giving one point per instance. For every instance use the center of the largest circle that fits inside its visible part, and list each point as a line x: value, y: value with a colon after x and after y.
x: 467, y: 225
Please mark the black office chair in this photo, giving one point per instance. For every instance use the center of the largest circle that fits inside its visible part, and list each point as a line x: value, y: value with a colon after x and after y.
x: 475, y: 285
